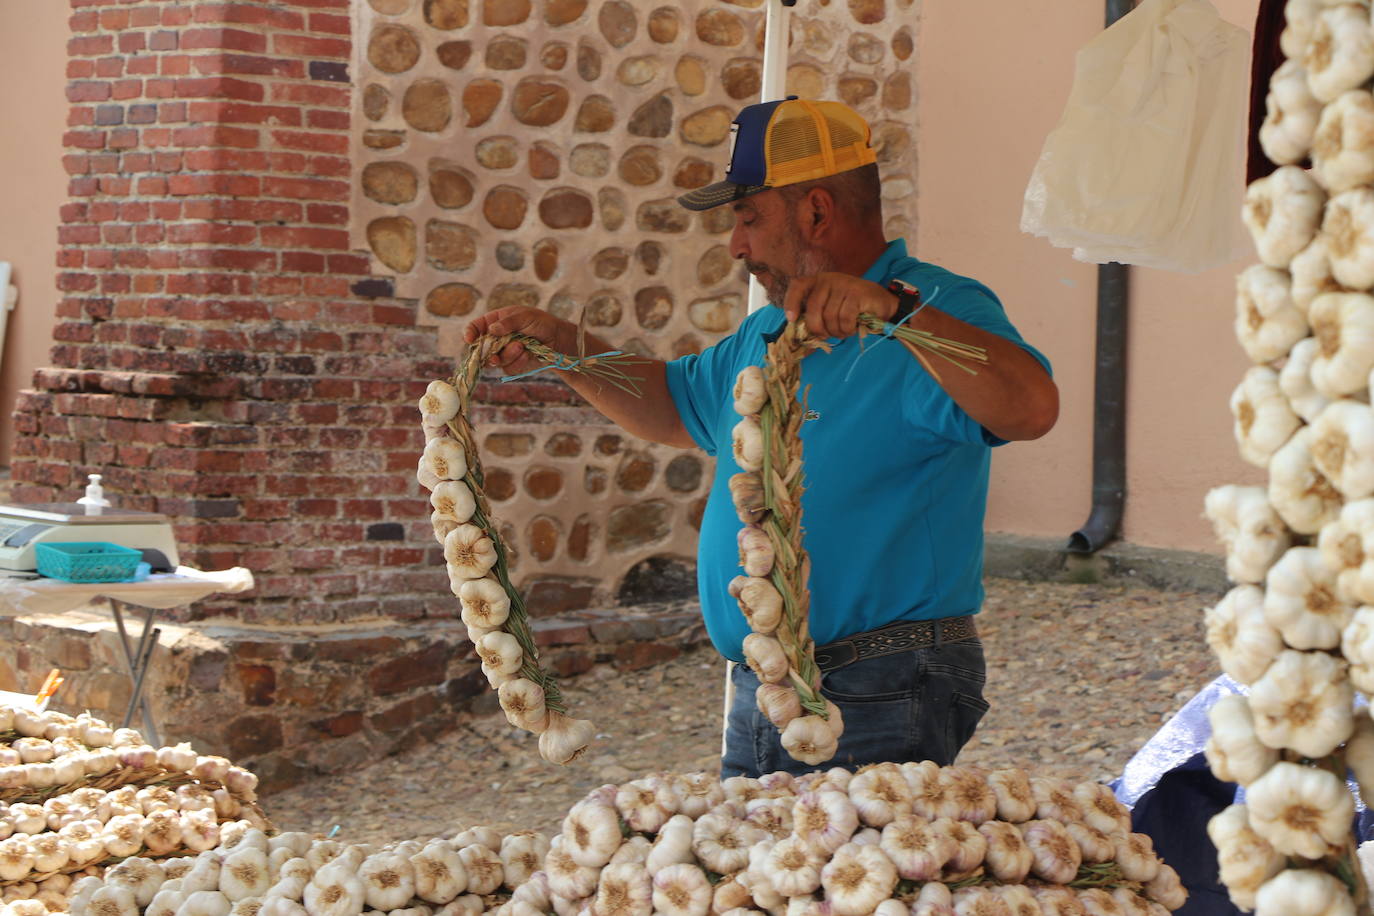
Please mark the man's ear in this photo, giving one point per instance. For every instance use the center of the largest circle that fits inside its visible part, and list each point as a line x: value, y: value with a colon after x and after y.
x: 818, y: 216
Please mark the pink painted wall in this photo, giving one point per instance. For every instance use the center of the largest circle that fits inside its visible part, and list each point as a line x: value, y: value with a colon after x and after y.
x: 33, y: 115
x: 993, y: 79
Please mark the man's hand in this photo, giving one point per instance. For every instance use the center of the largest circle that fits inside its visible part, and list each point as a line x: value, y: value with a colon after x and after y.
x: 517, y: 319
x: 832, y: 302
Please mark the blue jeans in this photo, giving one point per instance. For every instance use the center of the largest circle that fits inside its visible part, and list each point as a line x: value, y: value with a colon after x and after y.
x: 917, y: 705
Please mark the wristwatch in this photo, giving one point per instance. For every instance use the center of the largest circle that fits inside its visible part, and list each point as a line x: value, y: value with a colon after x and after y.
x: 908, y: 297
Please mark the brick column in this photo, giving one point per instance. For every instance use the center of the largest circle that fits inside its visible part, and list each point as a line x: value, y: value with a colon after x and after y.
x: 221, y: 355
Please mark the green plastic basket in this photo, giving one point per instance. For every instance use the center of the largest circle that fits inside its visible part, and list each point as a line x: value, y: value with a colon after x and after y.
x: 88, y: 561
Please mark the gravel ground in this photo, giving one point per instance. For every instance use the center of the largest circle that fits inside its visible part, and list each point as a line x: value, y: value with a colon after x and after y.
x: 1079, y: 677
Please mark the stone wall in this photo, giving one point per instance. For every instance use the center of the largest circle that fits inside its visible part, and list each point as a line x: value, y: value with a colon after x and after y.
x: 517, y: 152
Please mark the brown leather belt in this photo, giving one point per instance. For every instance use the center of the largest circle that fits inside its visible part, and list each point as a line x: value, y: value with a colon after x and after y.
x: 903, y: 636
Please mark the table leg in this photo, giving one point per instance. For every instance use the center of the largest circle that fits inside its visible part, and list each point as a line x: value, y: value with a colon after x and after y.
x: 138, y: 662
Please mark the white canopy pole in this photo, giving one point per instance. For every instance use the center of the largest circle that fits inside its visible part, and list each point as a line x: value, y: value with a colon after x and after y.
x: 774, y: 83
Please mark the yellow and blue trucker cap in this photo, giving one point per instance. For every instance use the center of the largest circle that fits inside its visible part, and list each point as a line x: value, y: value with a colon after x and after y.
x: 773, y: 144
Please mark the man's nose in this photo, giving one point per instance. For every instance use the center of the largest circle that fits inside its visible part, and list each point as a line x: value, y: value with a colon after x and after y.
x: 739, y: 248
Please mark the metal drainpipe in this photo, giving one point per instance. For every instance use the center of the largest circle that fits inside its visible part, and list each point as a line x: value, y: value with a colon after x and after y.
x: 1109, y: 398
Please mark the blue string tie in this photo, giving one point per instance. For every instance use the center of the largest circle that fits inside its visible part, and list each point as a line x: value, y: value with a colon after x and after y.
x: 563, y: 364
x: 889, y: 329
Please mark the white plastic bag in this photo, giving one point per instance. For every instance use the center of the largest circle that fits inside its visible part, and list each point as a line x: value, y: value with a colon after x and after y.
x: 1146, y: 166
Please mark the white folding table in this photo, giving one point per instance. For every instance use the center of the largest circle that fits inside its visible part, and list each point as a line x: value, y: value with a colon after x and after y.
x: 25, y: 595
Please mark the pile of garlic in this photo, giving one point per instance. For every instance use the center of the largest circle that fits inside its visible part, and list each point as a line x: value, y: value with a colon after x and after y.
x: 896, y: 840
x: 492, y: 608
x: 1298, y: 626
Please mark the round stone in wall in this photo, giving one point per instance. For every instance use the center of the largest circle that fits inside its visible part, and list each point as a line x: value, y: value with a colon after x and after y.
x: 902, y: 45
x: 719, y: 27
x: 637, y: 347
x: 865, y: 49
x: 590, y: 160
x: 636, y: 472
x: 855, y: 90
x: 693, y: 172
x: 683, y: 474
x: 636, y: 71
x: 651, y: 256
x: 563, y: 305
x: 608, y: 444
x: 610, y: 263
x: 543, y: 539
x: 498, y: 153
x: 640, y: 525
x: 604, y: 310
x: 450, y: 246
x: 510, y: 255
x: 539, y: 102
x: 506, y: 53
x: 742, y: 77
x: 543, y: 482
x: 595, y: 115
x: 588, y: 61
x: 544, y: 162
x: 563, y: 445
x: 868, y: 12
x: 897, y: 91
x: 686, y: 345
x: 480, y: 98
x: 563, y: 12
x: 711, y: 126
x: 509, y: 445
x: 446, y: 14
x: 654, y: 118
x: 392, y: 240
x: 427, y: 106
x: 715, y: 315
x: 554, y: 56
x: 690, y: 74
x: 383, y: 139
x: 595, y: 480
x: 891, y: 140
x: 818, y: 39
x: 715, y: 265
x: 498, y: 484
x: 505, y: 12
x: 641, y: 165
x: 393, y: 48
x: 454, y: 54
x: 580, y: 538
x: 376, y: 100
x: 451, y: 300
x: 450, y: 187
x: 662, y: 216
x: 695, y: 511
x: 613, y: 205
x: 390, y: 7
x: 505, y: 207
x: 566, y: 208
x: 718, y: 219
x: 618, y: 23
x: 506, y: 295
x: 664, y: 24
x: 806, y: 81
x: 545, y: 259
x: 390, y: 182
x: 653, y: 307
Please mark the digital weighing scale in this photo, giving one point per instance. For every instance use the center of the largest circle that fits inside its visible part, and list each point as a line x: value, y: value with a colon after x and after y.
x: 22, y: 527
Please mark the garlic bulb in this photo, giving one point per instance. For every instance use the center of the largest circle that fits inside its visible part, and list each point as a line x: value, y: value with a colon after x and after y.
x: 809, y: 739
x: 16, y: 858
x: 1263, y: 418
x: 857, y: 879
x: 1343, y: 325
x: 1346, y: 225
x: 439, y: 404
x: 501, y: 655
x: 1300, y: 600
x: 624, y: 890
x: 1343, y: 146
x: 1304, y: 892
x: 1101, y: 808
x: 1299, y: 492
x: 485, y: 603
x: 1340, y: 51
x: 1268, y: 322
x: 721, y: 841
x: 468, y: 552
x: 681, y: 889
x: 747, y: 444
x: 484, y: 869
x: 522, y: 700
x: 646, y: 804
x: 1310, y: 274
x: 825, y: 819
x: 766, y: 657
x: 1282, y: 212
x: 446, y: 459
x: 746, y: 493
x: 1234, y: 751
x: 591, y: 833
x: 1055, y: 800
x: 244, y: 874
x: 1357, y: 645
x: 439, y: 873
x: 760, y: 602
x: 1015, y: 801
x: 522, y: 854
x: 750, y: 391
x: 1135, y: 856
x: 388, y: 880
x: 118, y: 900
x: 1008, y: 859
x: 452, y: 502
x: 565, y: 738
x: 1300, y: 16
x: 1303, y: 702
x: 1291, y: 116
x: 1054, y: 855
x: 1343, y: 447
x: 880, y: 794
x: 1249, y: 528
x: 755, y: 551
x: 566, y: 878
x: 1347, y: 546
x: 697, y: 793
x: 1244, y: 858
x: 1295, y: 380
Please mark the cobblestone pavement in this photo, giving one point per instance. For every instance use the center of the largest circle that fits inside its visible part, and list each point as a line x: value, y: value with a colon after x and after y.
x: 1079, y: 677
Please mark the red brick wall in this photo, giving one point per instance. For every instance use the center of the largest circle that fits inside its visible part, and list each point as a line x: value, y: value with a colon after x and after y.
x: 220, y: 354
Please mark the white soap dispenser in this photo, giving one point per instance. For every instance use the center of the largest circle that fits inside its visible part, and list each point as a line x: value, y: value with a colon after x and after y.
x: 94, y: 500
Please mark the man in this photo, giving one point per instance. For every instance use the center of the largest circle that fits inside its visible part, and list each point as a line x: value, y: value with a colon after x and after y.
x: 896, y: 463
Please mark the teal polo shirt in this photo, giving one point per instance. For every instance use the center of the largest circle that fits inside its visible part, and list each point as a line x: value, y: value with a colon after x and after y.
x: 896, y: 473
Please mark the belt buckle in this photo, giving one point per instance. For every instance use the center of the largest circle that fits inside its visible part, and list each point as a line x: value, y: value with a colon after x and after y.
x: 836, y: 655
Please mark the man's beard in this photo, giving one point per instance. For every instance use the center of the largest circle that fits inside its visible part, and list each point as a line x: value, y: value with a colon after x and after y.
x: 776, y: 280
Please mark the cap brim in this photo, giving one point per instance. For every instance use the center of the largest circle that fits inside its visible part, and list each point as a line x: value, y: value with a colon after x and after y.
x: 713, y: 195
